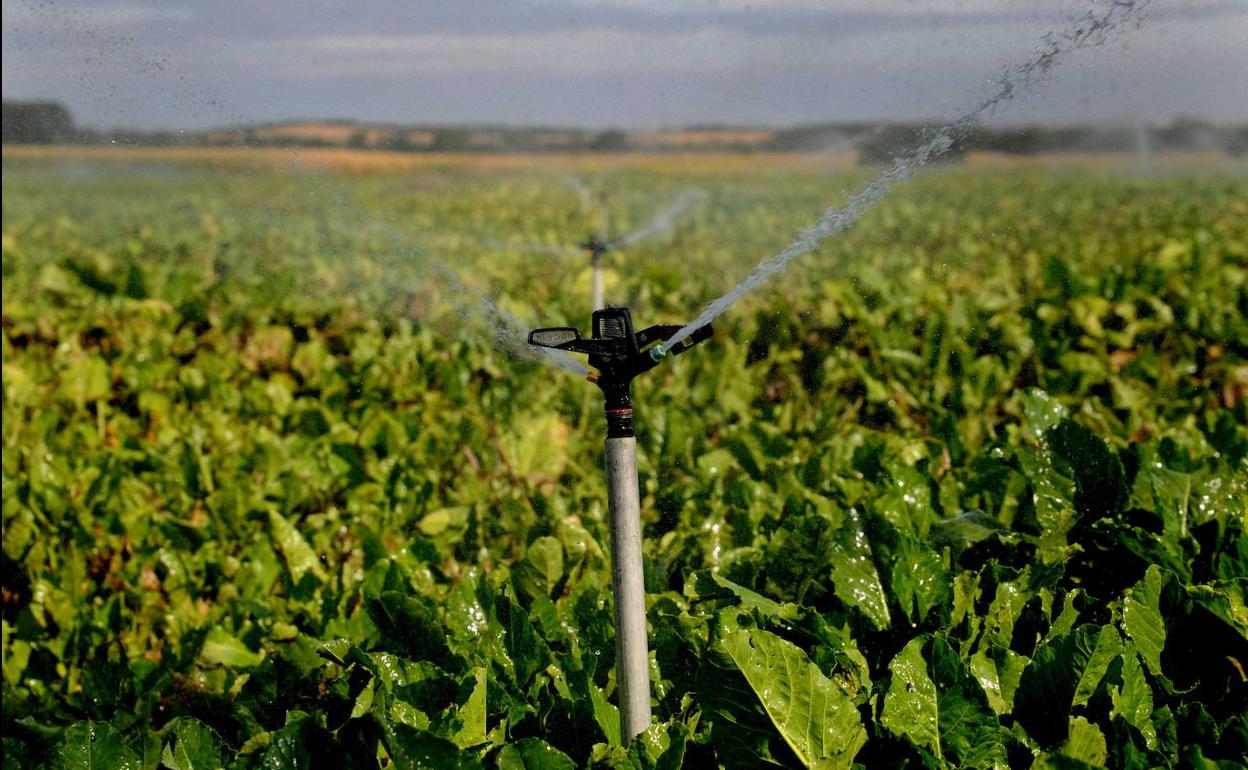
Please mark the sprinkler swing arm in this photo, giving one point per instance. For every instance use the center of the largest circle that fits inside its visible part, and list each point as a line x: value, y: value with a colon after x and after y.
x: 619, y: 355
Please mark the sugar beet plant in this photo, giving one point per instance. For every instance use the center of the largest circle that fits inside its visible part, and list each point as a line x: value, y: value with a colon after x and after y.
x: 970, y: 492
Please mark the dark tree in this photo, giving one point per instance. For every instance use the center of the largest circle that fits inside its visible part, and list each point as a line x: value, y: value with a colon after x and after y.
x: 37, y: 123
x: 450, y: 140
x: 398, y: 141
x: 1235, y: 142
x: 612, y: 140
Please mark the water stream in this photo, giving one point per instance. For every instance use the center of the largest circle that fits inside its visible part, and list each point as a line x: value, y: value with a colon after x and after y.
x: 1090, y: 30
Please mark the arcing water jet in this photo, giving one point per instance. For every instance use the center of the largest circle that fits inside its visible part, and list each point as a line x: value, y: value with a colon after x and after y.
x: 1091, y: 30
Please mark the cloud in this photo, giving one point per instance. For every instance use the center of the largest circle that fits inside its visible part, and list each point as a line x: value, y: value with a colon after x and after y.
x: 822, y: 6
x: 589, y: 51
x: 883, y: 7
x: 597, y: 62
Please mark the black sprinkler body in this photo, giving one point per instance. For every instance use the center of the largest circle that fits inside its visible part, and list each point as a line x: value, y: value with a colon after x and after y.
x: 597, y: 246
x: 619, y: 354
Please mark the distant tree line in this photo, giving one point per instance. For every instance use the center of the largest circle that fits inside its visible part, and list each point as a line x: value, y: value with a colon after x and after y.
x: 881, y: 143
x: 37, y: 123
x: 42, y: 122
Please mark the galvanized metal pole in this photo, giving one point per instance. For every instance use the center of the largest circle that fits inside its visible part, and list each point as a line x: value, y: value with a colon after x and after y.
x: 620, y: 354
x: 632, y: 656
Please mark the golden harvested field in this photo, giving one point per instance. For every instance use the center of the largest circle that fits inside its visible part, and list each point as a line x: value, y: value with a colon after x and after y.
x: 380, y: 161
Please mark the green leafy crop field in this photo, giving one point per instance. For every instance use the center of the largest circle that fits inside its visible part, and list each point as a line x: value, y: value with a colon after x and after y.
x: 966, y: 488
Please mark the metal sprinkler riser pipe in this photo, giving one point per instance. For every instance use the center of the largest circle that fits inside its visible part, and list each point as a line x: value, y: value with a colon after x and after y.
x: 629, y: 586
x: 619, y: 355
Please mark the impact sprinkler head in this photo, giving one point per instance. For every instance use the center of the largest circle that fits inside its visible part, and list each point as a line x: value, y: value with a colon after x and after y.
x: 596, y: 245
x: 619, y: 355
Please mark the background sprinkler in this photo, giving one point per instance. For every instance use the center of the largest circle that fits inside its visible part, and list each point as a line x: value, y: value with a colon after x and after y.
x: 597, y: 245
x: 619, y: 355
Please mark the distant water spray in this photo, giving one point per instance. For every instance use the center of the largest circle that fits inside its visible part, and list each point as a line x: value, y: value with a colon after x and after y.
x: 508, y: 334
x: 584, y: 193
x: 467, y: 302
x: 470, y: 303
x: 666, y: 219
x: 1089, y: 31
x: 532, y: 248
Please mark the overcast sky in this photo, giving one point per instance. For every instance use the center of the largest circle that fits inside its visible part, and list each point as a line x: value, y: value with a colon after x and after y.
x: 595, y: 63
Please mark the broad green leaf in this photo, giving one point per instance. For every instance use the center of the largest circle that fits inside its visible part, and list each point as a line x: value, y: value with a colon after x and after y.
x: 16, y: 656
x: 965, y: 530
x: 191, y: 745
x: 300, y: 558
x: 1060, y: 667
x: 936, y: 703
x: 1040, y: 412
x: 716, y: 462
x: 607, y: 757
x: 92, y: 746
x: 854, y: 575
x: 473, y: 623
x: 1086, y: 743
x: 1225, y: 599
x: 1142, y: 621
x: 410, y: 626
x: 1100, y: 485
x: 907, y: 502
x: 747, y: 597
x: 534, y: 447
x: 436, y: 522
x: 1067, y: 618
x: 420, y: 750
x: 1053, y: 497
x: 920, y: 581
x: 1133, y: 698
x: 910, y: 708
x: 1004, y: 609
x: 661, y: 746
x: 1108, y: 646
x: 1171, y: 495
x: 812, y: 714
x: 533, y: 754
x: 300, y: 745
x: 1061, y: 762
x: 998, y: 670
x: 528, y: 651
x: 222, y: 648
x: 473, y: 712
x: 86, y: 379
x: 542, y: 567
x: 606, y: 714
